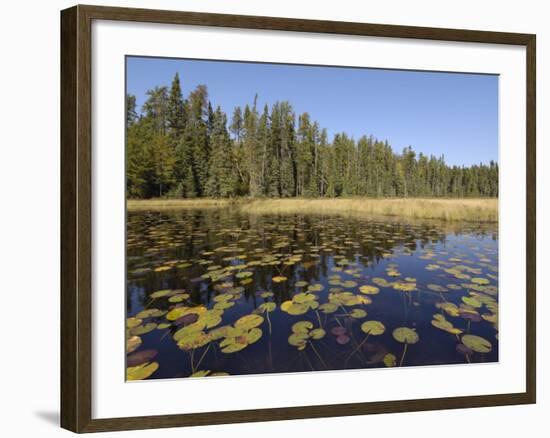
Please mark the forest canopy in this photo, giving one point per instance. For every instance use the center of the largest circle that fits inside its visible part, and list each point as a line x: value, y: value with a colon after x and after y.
x: 180, y: 147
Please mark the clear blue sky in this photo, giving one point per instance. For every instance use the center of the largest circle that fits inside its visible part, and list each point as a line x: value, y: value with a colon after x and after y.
x: 436, y: 113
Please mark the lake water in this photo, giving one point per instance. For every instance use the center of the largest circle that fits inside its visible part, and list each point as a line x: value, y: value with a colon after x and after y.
x: 365, y: 293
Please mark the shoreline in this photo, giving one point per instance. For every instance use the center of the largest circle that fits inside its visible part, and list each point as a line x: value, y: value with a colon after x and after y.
x: 480, y: 210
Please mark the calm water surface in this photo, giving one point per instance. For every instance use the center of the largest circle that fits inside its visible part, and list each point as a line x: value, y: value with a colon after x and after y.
x: 198, y: 283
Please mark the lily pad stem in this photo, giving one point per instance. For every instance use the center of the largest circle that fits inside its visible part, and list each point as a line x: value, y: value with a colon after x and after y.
x: 318, y: 355
x: 319, y: 319
x: 403, y: 355
x: 357, y: 348
x: 192, y: 362
x: 268, y: 322
x: 202, y: 356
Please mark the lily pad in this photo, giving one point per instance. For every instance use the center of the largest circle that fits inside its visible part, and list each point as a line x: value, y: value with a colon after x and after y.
x: 132, y: 344
x: 477, y: 343
x: 141, y: 357
x: 317, y: 333
x: 142, y: 371
x: 390, y: 360
x: 358, y: 313
x: 267, y: 307
x: 374, y: 328
x: 248, y: 322
x: 302, y: 327
x: 405, y: 335
x: 143, y: 329
x: 133, y: 322
x: 368, y: 289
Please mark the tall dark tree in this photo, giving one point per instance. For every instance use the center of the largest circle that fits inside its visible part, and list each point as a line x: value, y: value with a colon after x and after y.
x: 176, y: 117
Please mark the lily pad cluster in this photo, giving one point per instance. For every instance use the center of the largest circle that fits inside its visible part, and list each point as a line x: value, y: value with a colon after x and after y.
x: 212, y: 293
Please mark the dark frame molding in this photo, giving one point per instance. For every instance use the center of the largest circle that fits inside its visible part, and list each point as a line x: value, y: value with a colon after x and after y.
x: 76, y: 222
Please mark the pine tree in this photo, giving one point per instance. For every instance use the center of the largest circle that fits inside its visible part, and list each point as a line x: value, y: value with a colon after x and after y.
x: 176, y: 116
x: 156, y: 108
x: 131, y: 113
x: 222, y: 177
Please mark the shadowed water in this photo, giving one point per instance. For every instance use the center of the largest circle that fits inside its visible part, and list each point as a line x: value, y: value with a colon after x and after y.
x: 197, y: 273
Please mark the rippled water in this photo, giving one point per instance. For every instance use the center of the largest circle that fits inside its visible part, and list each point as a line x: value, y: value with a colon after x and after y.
x: 437, y: 281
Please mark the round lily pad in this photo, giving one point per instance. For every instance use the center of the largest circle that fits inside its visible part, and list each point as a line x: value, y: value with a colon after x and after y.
x: 298, y: 340
x: 477, y: 343
x: 302, y: 327
x: 405, y: 335
x: 390, y: 360
x: 267, y: 307
x: 249, y: 321
x: 368, y: 289
x: 133, y: 322
x: 143, y: 329
x: 373, y: 328
x: 317, y: 333
x: 358, y: 313
x: 328, y: 307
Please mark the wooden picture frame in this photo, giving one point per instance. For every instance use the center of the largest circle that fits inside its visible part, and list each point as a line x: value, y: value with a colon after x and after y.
x: 76, y: 217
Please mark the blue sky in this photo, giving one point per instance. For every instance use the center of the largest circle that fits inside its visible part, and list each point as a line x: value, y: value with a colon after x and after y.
x: 436, y: 113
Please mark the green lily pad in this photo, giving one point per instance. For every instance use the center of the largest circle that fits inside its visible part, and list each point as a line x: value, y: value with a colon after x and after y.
x: 267, y: 307
x: 133, y: 322
x: 374, y: 328
x: 441, y: 323
x: 328, y: 307
x: 358, y: 313
x: 141, y: 372
x: 367, y: 289
x: 160, y: 293
x: 201, y: 373
x: 480, y: 281
x: 298, y: 340
x: 317, y: 333
x: 143, y: 329
x: 405, y: 335
x: 471, y: 302
x: 302, y: 327
x: 477, y: 343
x: 249, y: 321
x: 390, y: 360
x: 132, y: 344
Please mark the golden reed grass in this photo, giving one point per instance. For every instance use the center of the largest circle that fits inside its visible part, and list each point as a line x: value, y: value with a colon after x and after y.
x: 447, y: 209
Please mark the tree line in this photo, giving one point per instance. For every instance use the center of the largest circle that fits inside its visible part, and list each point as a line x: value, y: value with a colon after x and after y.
x: 183, y: 148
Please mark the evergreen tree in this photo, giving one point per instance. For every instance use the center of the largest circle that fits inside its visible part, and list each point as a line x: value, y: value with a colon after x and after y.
x: 176, y: 117
x: 131, y: 113
x: 222, y: 177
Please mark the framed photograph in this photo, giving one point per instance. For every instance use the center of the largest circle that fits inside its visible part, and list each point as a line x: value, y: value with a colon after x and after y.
x: 270, y: 218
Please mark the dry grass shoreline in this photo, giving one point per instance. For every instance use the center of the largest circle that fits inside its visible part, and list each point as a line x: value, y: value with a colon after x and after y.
x: 446, y: 209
